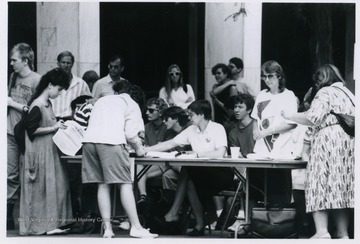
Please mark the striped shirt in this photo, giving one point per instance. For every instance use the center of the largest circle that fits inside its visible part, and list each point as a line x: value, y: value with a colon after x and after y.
x: 82, y: 115
x: 61, y: 104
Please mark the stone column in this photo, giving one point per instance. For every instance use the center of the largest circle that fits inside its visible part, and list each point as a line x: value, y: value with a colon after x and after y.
x: 229, y: 34
x: 72, y: 26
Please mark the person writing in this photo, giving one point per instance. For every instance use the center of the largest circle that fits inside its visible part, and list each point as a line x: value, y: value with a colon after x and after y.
x: 207, y: 139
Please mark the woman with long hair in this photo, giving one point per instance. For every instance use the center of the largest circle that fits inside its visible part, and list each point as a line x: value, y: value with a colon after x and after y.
x: 45, y: 204
x: 330, y: 173
x: 175, y: 91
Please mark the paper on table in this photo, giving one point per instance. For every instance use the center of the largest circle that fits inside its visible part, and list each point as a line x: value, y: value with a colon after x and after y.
x: 69, y: 140
x: 155, y: 154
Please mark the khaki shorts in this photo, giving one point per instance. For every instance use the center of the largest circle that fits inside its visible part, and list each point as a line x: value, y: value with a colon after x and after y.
x: 104, y: 163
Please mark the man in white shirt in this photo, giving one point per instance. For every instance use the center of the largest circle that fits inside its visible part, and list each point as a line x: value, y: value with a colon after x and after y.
x: 115, y: 121
x: 78, y: 87
x: 104, y: 86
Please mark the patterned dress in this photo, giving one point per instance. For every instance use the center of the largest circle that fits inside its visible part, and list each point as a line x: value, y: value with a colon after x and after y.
x: 45, y: 197
x: 331, y: 168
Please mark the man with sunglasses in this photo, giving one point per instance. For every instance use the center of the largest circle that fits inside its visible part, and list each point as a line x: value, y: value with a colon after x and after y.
x: 104, y: 86
x: 242, y: 85
x: 155, y: 132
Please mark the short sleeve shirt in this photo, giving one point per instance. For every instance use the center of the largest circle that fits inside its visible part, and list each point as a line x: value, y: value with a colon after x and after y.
x: 213, y: 138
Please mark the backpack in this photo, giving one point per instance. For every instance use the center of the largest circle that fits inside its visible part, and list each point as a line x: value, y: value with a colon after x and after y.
x: 19, y: 132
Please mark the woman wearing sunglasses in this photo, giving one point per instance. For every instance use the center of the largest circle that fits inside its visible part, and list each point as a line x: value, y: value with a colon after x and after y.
x: 273, y: 133
x: 175, y: 91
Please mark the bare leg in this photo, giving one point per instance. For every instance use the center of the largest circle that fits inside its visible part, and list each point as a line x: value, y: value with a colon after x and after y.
x: 321, y: 222
x: 341, y: 217
x: 154, y: 171
x: 128, y: 202
x: 103, y: 196
x: 195, y: 205
x: 173, y: 214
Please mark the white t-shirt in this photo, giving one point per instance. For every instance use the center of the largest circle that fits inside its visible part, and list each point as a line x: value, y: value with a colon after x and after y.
x: 267, y: 112
x: 213, y: 137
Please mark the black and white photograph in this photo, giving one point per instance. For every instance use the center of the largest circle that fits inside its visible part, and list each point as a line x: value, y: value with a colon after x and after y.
x: 204, y: 121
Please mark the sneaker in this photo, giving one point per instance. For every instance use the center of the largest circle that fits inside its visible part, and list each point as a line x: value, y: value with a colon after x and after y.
x: 322, y: 236
x: 212, y: 226
x: 124, y: 225
x: 141, y: 233
x: 235, y: 225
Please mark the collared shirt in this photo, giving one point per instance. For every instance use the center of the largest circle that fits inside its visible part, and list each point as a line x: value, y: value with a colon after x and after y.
x: 213, y: 138
x: 104, y: 87
x: 61, y: 104
x: 179, y: 96
x: 114, y: 119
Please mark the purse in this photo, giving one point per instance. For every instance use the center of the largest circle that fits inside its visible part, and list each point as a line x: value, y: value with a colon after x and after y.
x: 273, y: 222
x: 347, y: 122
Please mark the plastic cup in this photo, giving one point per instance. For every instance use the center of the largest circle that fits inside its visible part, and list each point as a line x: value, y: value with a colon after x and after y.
x: 235, y: 152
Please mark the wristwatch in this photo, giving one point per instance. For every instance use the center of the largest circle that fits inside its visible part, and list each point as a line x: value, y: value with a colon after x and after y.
x: 25, y: 109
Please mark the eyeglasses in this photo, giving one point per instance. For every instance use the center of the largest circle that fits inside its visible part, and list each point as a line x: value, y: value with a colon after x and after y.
x: 270, y: 77
x: 113, y: 66
x: 174, y: 74
x: 151, y: 110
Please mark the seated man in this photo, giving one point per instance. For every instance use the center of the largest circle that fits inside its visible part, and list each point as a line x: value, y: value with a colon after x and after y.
x: 155, y: 132
x: 175, y: 120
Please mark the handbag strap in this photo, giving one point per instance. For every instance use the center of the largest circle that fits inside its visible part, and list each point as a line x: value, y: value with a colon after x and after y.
x: 345, y: 94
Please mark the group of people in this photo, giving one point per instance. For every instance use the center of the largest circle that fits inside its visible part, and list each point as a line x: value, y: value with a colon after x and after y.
x: 111, y: 109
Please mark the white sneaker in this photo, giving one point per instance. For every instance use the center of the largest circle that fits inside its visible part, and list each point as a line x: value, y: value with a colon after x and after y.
x: 124, y: 225
x: 235, y: 225
x: 212, y: 226
x: 141, y: 233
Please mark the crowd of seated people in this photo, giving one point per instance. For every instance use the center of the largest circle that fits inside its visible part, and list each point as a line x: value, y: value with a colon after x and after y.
x: 268, y: 123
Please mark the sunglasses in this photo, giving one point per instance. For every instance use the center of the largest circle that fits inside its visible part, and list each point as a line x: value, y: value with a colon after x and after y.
x: 151, y: 110
x: 270, y: 77
x: 113, y: 66
x: 174, y: 74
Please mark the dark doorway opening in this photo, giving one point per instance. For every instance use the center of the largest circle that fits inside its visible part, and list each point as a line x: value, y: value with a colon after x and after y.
x: 151, y: 37
x: 21, y: 26
x: 291, y: 31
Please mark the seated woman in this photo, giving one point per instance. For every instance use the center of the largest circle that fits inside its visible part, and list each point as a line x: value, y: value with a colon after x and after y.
x: 207, y: 139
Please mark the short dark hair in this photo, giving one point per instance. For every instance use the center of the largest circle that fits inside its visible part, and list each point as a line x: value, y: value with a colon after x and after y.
x: 136, y: 93
x: 56, y: 77
x: 201, y: 107
x: 79, y: 100
x: 116, y: 57
x: 244, y: 98
x: 66, y: 54
x: 176, y: 112
x: 225, y: 69
x: 238, y: 62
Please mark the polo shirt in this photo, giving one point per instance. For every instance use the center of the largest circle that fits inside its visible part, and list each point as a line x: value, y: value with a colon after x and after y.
x: 213, y: 138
